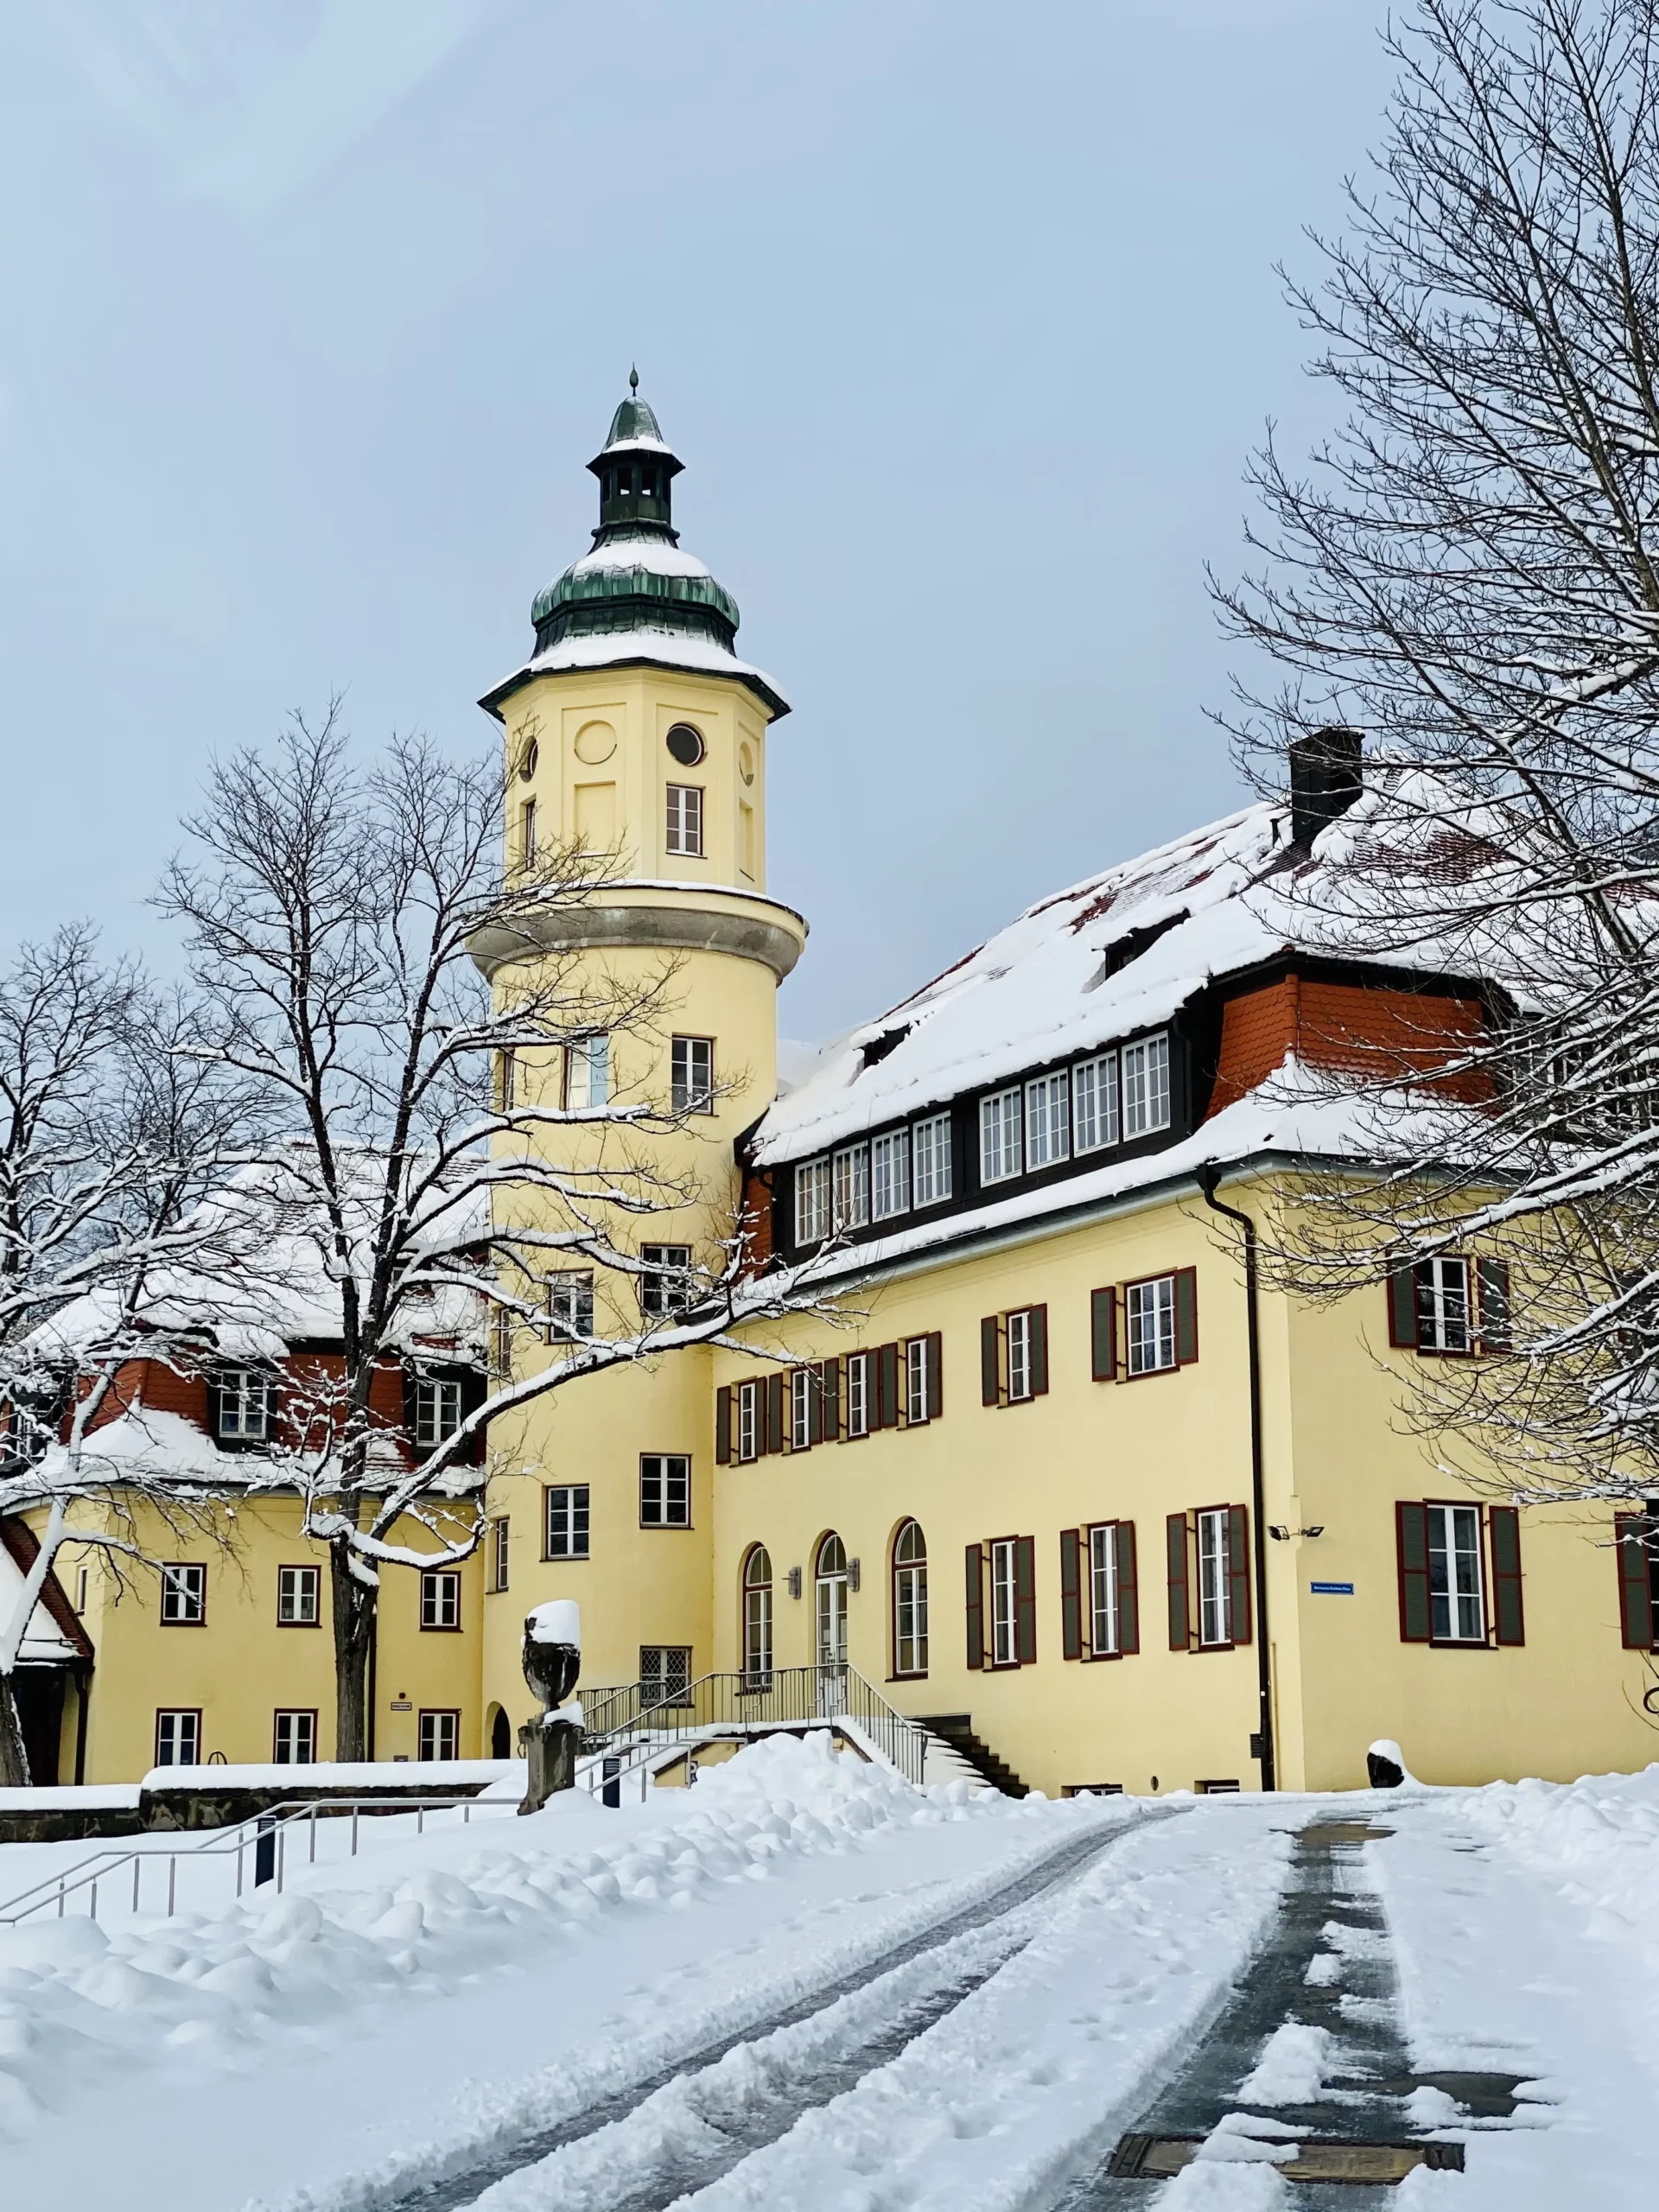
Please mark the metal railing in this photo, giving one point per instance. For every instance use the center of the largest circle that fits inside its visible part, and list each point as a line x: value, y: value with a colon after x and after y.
x: 789, y: 1697
x: 264, y: 1837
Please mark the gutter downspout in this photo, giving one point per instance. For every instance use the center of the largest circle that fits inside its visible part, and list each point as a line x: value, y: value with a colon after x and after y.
x: 1209, y: 1176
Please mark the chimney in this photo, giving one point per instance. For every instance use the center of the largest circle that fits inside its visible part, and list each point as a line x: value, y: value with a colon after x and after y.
x: 1324, y: 780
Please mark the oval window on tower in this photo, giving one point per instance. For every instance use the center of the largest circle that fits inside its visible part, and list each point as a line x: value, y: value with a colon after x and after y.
x: 685, y: 745
x: 528, y: 759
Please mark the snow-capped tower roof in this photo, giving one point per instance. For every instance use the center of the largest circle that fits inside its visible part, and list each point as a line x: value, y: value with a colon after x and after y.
x: 635, y: 595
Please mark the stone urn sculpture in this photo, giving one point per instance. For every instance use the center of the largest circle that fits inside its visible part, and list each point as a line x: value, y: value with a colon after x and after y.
x: 552, y: 1663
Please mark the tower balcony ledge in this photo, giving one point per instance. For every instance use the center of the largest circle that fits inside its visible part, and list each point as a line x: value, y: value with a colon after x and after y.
x: 656, y: 914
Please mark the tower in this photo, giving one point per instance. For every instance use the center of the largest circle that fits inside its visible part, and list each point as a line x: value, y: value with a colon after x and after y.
x: 634, y: 727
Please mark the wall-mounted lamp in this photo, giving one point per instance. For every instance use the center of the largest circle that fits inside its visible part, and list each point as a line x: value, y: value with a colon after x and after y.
x: 1281, y: 1535
x: 794, y: 1581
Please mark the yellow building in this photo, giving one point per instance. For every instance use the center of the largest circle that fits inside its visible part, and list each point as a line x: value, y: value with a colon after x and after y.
x: 1050, y: 1470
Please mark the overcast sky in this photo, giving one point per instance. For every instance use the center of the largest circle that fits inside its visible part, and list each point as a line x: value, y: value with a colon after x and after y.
x: 963, y: 318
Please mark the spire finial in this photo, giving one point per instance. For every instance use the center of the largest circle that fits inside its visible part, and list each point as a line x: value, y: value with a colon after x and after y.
x: 633, y: 379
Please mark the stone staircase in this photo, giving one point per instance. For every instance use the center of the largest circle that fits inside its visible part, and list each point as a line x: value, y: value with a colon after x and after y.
x: 953, y: 1753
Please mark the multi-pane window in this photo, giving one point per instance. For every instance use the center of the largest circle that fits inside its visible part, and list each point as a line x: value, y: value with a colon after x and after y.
x: 1000, y: 1151
x: 567, y: 1521
x: 890, y: 1175
x: 440, y: 1597
x: 757, y: 1618
x: 858, y: 1393
x: 178, y: 1737
x: 1019, y: 1355
x: 299, y: 1591
x: 930, y: 1180
x: 587, y: 1073
x: 437, y: 1410
x: 296, y: 1736
x: 1048, y: 1120
x: 1104, y: 1635
x: 527, y: 832
x: 684, y: 819
x: 1005, y: 1643
x: 569, y: 1306
x: 1443, y: 1315
x: 850, y: 1188
x: 1146, y: 1086
x: 691, y: 1064
x: 811, y: 1201
x: 439, y: 1736
x: 917, y: 1407
x: 244, y: 1405
x: 500, y: 1552
x: 801, y: 1382
x: 1215, y: 1576
x: 1150, y: 1308
x: 664, y: 1490
x: 1457, y: 1612
x: 664, y: 1674
x: 665, y: 1285
x: 751, y: 1411
x: 910, y: 1601
x: 184, y: 1596
x: 1094, y: 1103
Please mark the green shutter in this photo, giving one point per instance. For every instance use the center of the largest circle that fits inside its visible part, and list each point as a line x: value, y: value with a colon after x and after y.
x: 1402, y: 1307
x: 1071, y: 1621
x: 1505, y: 1524
x: 1102, y: 1334
x: 1411, y: 1532
x: 723, y: 1424
x: 934, y: 1363
x: 830, y: 1372
x: 1238, y: 1573
x: 775, y: 1413
x: 976, y: 1596
x: 1633, y: 1532
x: 1038, y: 1350
x: 1187, y: 1316
x: 887, y: 1386
x: 990, y: 1377
x: 1180, y: 1628
x: 1025, y: 1600
x: 1128, y: 1597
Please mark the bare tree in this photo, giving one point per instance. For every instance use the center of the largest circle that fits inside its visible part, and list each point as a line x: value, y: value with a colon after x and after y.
x: 1468, y: 571
x: 331, y: 913
x: 111, y: 1143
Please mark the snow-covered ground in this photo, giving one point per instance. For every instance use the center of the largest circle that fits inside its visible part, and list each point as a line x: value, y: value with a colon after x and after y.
x: 904, y: 2036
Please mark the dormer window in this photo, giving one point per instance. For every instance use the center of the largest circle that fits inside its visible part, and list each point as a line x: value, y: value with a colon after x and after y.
x: 244, y: 1405
x: 1001, y: 1149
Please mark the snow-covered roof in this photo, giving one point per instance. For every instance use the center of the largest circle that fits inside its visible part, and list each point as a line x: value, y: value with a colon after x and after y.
x: 698, y: 653
x: 1070, y: 975
x: 44, y: 1643
x: 640, y: 549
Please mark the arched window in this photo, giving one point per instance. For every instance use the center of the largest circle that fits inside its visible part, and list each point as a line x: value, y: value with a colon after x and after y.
x: 910, y: 1601
x: 500, y: 1734
x: 831, y: 1579
x: 757, y: 1618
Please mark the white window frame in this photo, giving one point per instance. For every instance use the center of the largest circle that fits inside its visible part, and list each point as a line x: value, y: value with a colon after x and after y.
x: 441, y: 1598
x: 184, y: 1594
x: 890, y: 1175
x: 178, y: 1727
x: 527, y: 834
x: 691, y: 1074
x: 301, y: 1726
x: 438, y: 1734
x: 750, y: 1414
x: 1150, y: 1325
x: 1048, y: 1120
x: 757, y: 1623
x: 1146, y: 1086
x: 245, y: 1396
x: 501, y: 1551
x: 1215, y: 1577
x: 683, y: 829
x: 1105, y: 1619
x: 801, y: 1380
x: 670, y: 1473
x: 299, y: 1597
x: 910, y: 1609
x: 566, y: 1515
x: 587, y: 1073
x: 1018, y: 1335
x: 931, y: 1170
x: 1002, y: 1125
x: 1459, y: 1600
x: 1005, y: 1603
x: 569, y: 1306
x: 1445, y: 1305
x: 812, y: 1201
x: 438, y: 1410
x: 916, y: 1408
x: 858, y: 1393
x: 1094, y: 1103
x: 665, y: 1287
x: 849, y: 1187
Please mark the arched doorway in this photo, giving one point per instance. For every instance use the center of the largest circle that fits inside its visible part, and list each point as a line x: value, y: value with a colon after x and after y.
x: 830, y: 1579
x: 757, y: 1618
x: 910, y: 1601
x: 500, y: 1734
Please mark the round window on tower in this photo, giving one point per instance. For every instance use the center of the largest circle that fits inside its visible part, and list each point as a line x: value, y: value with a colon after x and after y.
x: 528, y: 759
x: 686, y: 744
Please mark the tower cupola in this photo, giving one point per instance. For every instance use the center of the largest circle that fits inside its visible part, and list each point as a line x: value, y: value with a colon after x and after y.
x: 636, y: 473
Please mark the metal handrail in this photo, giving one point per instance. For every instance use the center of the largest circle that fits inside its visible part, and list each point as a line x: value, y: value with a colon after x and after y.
x: 264, y: 1833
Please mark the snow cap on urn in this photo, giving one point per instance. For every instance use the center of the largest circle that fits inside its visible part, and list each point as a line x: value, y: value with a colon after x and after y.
x: 553, y: 1650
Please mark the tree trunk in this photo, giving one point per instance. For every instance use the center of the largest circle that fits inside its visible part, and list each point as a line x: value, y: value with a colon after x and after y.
x: 13, y: 1759
x: 354, y: 1611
